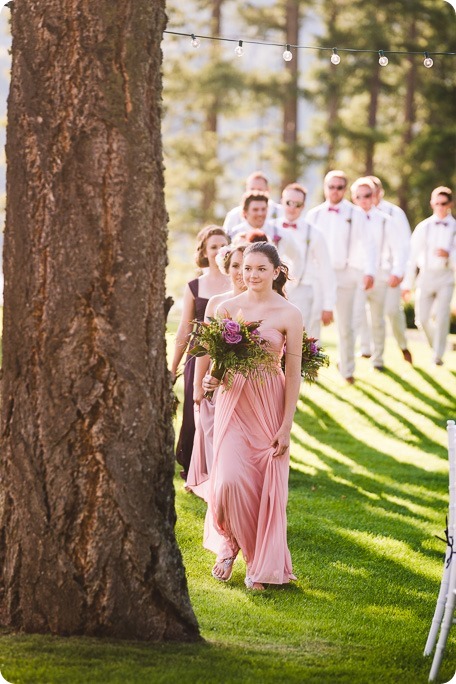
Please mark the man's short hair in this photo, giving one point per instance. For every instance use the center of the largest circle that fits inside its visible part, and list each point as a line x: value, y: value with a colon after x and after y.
x: 364, y: 180
x: 376, y: 181
x: 297, y: 187
x: 253, y: 196
x: 442, y: 190
x: 254, y: 175
x: 337, y: 173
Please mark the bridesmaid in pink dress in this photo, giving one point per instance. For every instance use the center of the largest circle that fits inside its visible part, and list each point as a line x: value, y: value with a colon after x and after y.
x: 229, y: 260
x: 196, y: 296
x: 248, y: 486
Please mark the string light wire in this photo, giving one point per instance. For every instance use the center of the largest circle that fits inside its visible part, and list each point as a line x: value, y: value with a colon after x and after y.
x: 195, y: 37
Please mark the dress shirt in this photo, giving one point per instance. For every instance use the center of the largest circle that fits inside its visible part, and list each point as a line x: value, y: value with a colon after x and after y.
x: 235, y: 216
x: 285, y: 239
x: 431, y: 234
x: 312, y: 264
x: 391, y: 250
x: 400, y: 219
x: 349, y: 241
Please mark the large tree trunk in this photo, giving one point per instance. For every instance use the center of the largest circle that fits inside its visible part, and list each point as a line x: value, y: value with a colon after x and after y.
x: 290, y: 159
x: 87, y: 505
x: 209, y: 189
x: 372, y: 117
x: 409, y: 117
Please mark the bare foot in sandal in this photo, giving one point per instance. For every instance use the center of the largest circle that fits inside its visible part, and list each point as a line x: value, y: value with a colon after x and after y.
x: 255, y: 586
x: 223, y: 569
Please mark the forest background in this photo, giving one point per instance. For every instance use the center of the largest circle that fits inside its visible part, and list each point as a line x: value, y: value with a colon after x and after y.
x: 225, y: 116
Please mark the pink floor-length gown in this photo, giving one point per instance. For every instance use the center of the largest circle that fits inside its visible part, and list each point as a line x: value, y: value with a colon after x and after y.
x: 202, y: 454
x: 248, y: 487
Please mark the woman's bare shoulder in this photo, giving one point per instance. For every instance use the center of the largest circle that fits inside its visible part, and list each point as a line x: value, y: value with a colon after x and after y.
x: 230, y: 306
x: 215, y: 301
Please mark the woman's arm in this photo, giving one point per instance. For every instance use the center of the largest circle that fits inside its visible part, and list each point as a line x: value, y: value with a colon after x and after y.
x: 293, y: 332
x: 184, y: 330
x: 203, y: 362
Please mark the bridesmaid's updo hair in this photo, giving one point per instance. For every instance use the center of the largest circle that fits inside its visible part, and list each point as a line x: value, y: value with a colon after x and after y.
x: 270, y: 251
x: 203, y: 236
x: 225, y: 254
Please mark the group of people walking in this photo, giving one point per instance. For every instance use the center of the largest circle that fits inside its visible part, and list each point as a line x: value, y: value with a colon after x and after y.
x: 344, y: 261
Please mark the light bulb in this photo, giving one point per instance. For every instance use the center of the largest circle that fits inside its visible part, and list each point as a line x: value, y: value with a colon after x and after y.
x: 383, y: 61
x: 428, y: 61
x: 239, y: 50
x: 287, y: 55
x: 195, y: 41
x: 335, y: 59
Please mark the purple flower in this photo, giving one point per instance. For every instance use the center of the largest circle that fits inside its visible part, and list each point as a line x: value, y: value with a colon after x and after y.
x: 313, y: 348
x: 232, y: 332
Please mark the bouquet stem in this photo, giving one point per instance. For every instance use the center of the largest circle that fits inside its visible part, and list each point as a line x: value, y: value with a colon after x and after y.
x: 216, y: 372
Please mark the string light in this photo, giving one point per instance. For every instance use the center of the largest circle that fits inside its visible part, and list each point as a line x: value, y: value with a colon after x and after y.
x: 428, y: 61
x: 239, y: 50
x: 287, y: 55
x: 335, y: 59
x: 383, y: 60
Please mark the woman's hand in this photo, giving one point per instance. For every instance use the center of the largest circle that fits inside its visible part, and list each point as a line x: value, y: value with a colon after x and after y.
x: 281, y: 441
x: 210, y: 383
x: 198, y: 394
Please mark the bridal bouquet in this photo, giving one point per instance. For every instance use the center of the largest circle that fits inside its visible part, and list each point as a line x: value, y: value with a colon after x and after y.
x: 235, y: 346
x: 312, y: 358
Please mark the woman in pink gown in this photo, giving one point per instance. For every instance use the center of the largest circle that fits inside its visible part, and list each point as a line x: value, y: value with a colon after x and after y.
x: 248, y: 486
x: 229, y: 260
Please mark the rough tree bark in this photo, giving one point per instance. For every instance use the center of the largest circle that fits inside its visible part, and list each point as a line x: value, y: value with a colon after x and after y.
x: 87, y: 506
x: 409, y: 116
x: 290, y: 160
x: 372, y: 117
x: 209, y: 189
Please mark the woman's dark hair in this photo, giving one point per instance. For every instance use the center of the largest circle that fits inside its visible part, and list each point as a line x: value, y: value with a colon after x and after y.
x: 202, y: 237
x: 272, y: 254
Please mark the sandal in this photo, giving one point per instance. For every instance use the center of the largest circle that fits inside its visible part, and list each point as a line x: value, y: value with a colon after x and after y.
x: 250, y: 584
x: 227, y: 564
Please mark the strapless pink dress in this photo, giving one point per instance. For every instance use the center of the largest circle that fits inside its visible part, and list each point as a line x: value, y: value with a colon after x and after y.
x: 202, y: 454
x: 248, y: 487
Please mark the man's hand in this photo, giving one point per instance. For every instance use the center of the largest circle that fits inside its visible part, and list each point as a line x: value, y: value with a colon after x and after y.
x: 368, y: 282
x: 327, y: 317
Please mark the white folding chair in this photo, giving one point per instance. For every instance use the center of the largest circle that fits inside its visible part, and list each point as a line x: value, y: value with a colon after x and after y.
x: 443, y: 615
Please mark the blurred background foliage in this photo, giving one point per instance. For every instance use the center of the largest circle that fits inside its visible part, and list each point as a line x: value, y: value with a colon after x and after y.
x: 226, y: 116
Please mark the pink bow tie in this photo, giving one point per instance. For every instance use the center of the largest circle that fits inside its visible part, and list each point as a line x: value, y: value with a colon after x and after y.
x: 336, y: 209
x: 290, y: 225
x: 441, y: 223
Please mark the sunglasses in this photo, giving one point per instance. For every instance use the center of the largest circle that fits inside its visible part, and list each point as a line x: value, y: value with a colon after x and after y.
x: 441, y: 204
x: 336, y: 187
x: 292, y: 203
x: 364, y: 196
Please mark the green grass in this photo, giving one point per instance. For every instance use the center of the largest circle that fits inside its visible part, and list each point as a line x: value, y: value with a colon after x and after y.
x: 368, y: 494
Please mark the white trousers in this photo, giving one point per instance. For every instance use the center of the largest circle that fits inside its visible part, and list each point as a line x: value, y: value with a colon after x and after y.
x: 432, y: 307
x: 370, y: 313
x: 349, y: 286
x: 394, y: 311
x: 309, y: 301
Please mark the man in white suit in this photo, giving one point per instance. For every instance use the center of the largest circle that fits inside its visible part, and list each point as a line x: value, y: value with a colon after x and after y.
x: 394, y: 310
x: 433, y: 253
x: 390, y: 266
x: 256, y: 182
x: 313, y: 284
x: 352, y: 253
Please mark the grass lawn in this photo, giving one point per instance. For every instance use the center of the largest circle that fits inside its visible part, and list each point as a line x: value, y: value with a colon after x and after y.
x: 368, y: 494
